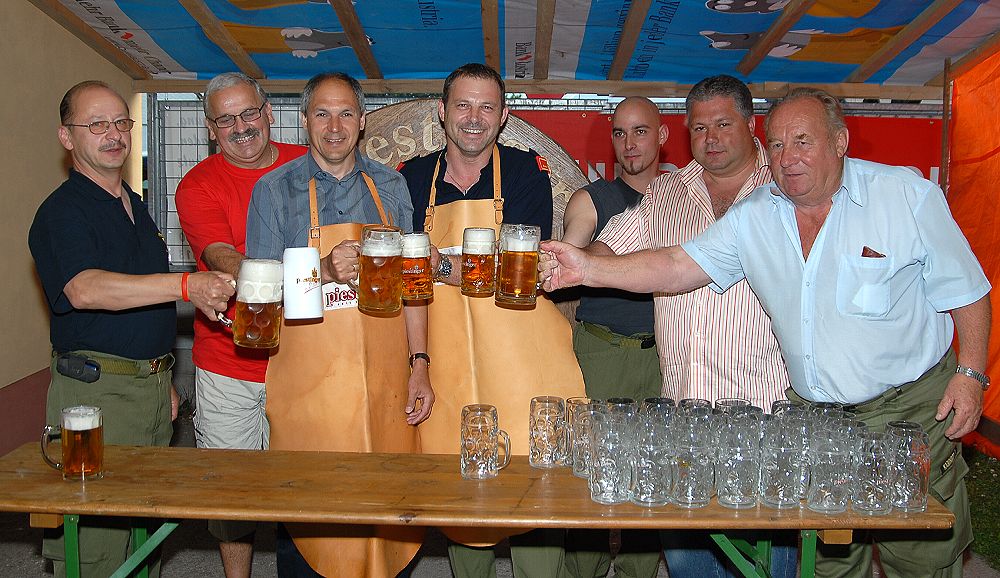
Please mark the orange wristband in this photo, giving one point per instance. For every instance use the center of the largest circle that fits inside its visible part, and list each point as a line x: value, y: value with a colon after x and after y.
x: 184, y: 286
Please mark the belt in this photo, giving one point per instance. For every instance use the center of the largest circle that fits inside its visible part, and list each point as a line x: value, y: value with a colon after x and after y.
x: 603, y: 333
x: 133, y: 367
x: 898, y: 390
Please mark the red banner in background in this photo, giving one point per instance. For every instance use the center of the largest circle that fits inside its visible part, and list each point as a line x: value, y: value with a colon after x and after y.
x: 586, y: 136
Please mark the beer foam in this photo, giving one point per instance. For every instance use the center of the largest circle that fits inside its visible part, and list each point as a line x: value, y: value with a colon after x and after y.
x: 416, y: 245
x: 381, y: 247
x: 81, y: 418
x: 478, y: 248
x: 522, y: 245
x: 260, y: 281
x: 478, y: 241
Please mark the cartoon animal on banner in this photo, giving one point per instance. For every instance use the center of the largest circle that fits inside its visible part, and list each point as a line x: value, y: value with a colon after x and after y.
x: 852, y: 47
x: 301, y: 42
x: 822, y: 8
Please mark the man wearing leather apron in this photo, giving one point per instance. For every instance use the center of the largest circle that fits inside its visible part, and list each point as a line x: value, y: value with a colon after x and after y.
x: 483, y: 353
x: 342, y: 383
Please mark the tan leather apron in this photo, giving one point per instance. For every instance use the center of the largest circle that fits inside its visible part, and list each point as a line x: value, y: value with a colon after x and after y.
x: 341, y: 385
x: 487, y: 354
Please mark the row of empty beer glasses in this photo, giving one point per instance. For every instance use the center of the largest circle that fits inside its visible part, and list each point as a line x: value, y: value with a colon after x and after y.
x: 654, y: 454
x: 515, y: 280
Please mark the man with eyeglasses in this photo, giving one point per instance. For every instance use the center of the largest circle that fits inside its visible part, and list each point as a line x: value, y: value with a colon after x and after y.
x: 103, y: 266
x: 212, y: 201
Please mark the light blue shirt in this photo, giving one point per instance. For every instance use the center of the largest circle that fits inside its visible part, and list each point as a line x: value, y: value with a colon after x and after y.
x: 278, y: 216
x: 851, y: 326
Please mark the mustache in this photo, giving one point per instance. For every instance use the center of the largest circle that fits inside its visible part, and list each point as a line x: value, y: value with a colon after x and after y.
x: 111, y: 145
x: 249, y: 132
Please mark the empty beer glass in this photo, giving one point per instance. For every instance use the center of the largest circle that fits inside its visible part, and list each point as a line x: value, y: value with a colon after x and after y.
x: 693, y: 467
x: 258, y: 304
x: 82, y: 435
x: 737, y: 465
x: 911, y: 462
x: 518, y: 280
x: 784, y: 467
x: 547, y: 432
x: 482, y: 440
x: 478, y: 262
x: 583, y: 421
x: 573, y: 404
x: 829, y: 472
x: 380, y: 279
x: 611, y: 454
x: 418, y: 282
x: 872, y: 490
x: 652, y: 462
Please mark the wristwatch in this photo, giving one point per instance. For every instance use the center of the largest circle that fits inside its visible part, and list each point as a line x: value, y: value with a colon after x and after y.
x: 444, y: 268
x: 977, y: 375
x: 420, y: 355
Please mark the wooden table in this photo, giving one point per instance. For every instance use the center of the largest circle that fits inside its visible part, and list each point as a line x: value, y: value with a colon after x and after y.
x: 391, y: 489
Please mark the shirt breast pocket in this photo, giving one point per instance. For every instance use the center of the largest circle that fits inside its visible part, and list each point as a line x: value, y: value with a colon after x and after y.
x: 863, y: 286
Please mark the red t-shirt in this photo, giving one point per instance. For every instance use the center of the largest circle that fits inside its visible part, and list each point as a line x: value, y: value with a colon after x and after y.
x: 212, y: 201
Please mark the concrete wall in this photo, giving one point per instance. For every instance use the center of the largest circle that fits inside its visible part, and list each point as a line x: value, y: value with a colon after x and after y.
x: 40, y: 61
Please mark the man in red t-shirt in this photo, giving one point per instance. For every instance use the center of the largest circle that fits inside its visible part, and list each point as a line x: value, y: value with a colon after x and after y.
x: 212, y: 201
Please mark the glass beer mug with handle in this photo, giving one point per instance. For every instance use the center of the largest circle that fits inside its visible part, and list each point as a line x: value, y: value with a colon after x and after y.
x: 418, y: 282
x: 478, y: 262
x: 482, y: 439
x: 82, y: 435
x: 257, y: 322
x: 518, y: 278
x: 380, y: 272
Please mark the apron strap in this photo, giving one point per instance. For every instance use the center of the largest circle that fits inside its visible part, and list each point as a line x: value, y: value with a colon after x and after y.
x: 314, y: 228
x: 497, y: 196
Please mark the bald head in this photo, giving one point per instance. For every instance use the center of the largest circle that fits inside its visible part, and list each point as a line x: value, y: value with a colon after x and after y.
x: 637, y: 135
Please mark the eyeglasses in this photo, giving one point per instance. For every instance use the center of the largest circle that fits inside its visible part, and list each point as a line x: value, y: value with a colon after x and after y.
x: 103, y: 126
x: 248, y: 115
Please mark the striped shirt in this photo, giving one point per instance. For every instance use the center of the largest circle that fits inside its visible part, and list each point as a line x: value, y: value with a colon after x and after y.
x: 711, y: 346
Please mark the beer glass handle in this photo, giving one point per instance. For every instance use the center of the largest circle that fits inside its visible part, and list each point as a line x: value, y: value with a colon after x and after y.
x: 47, y: 432
x: 353, y: 283
x: 227, y: 322
x: 506, y: 448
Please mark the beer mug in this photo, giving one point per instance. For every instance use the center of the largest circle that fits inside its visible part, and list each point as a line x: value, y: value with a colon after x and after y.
x: 258, y: 304
x: 478, y: 262
x: 418, y: 282
x: 481, y: 443
x: 82, y: 435
x: 547, y: 432
x: 303, y: 290
x: 518, y: 280
x: 380, y: 274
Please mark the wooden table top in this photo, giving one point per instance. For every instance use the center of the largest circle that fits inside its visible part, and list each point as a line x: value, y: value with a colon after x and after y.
x: 359, y: 488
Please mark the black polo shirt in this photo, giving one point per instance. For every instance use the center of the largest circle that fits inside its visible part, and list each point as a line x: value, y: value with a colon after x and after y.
x: 524, y: 184
x: 81, y: 226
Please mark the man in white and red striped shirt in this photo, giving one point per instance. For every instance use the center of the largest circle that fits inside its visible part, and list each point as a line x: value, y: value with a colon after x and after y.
x: 711, y: 346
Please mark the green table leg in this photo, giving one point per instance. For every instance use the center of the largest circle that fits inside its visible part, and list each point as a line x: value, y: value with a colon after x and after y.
x: 144, y: 549
x: 71, y: 544
x: 751, y: 561
x: 139, y: 536
x: 808, y: 569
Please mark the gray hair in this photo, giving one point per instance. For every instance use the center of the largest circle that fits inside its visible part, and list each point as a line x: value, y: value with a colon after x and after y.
x: 322, y: 77
x: 228, y: 80
x: 725, y: 86
x: 831, y: 107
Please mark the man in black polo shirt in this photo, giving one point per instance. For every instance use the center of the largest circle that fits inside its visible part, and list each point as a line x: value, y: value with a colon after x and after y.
x: 103, y: 266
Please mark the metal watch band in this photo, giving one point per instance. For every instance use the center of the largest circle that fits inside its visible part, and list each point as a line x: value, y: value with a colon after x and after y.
x: 444, y: 267
x: 420, y: 355
x: 982, y: 378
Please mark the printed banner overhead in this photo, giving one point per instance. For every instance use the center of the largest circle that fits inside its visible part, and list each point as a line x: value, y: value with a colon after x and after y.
x: 679, y: 41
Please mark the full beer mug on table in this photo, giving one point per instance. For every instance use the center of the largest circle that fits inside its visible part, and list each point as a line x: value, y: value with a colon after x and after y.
x: 380, y: 273
x: 478, y: 262
x: 417, y: 279
x: 518, y: 278
x: 82, y: 435
x: 481, y: 443
x: 259, y: 296
x: 303, y: 290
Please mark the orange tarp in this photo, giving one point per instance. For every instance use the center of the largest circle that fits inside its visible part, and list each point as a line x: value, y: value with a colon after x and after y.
x: 974, y: 184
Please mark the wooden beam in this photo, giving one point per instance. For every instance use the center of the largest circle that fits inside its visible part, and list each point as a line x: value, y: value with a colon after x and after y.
x: 900, y: 42
x: 356, y: 34
x: 432, y: 86
x: 988, y: 48
x: 628, y: 38
x: 101, y: 45
x: 491, y: 33
x: 544, y: 14
x: 792, y: 13
x: 218, y: 34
